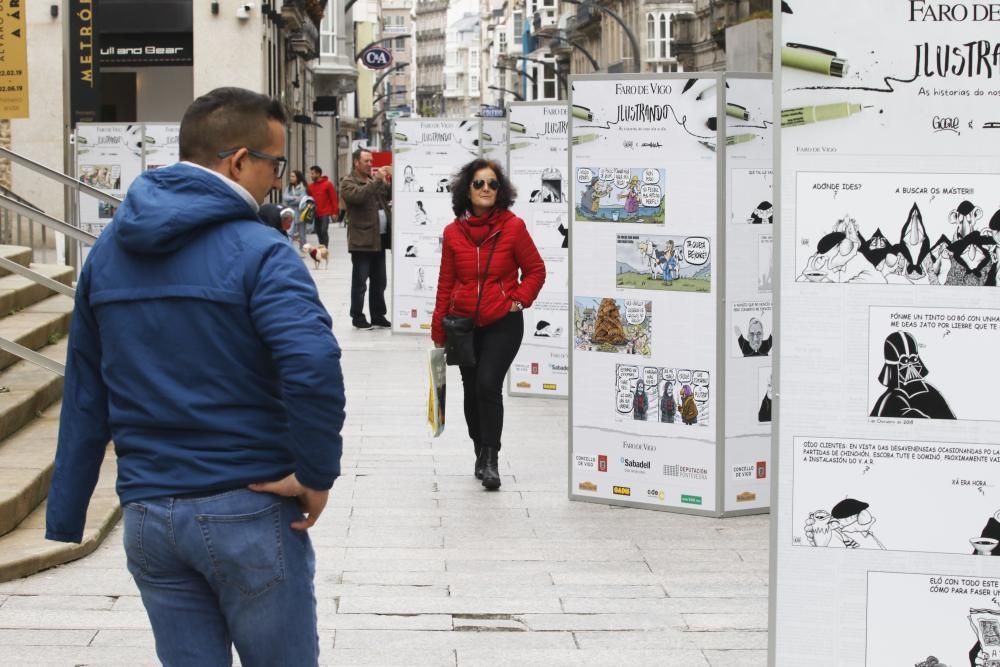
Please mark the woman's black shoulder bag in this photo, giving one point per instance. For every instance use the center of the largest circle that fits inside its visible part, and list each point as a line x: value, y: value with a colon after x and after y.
x: 459, y: 347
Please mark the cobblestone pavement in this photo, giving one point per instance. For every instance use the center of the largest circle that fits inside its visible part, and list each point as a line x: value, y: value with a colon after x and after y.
x: 417, y: 565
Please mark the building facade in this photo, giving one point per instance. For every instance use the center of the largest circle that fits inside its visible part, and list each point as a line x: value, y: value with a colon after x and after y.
x: 431, y: 24
x: 462, y: 67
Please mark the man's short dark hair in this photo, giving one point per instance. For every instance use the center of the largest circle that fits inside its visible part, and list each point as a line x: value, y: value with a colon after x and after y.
x: 356, y: 155
x: 316, y: 168
x: 460, y: 182
x: 227, y: 118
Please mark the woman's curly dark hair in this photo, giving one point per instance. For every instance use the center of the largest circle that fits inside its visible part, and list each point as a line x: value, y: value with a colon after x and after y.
x: 462, y: 181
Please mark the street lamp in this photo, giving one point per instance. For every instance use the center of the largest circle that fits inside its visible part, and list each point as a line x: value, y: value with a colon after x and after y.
x: 505, y: 90
x: 389, y: 95
x: 576, y: 45
x: 637, y: 61
x: 517, y: 71
x: 386, y: 73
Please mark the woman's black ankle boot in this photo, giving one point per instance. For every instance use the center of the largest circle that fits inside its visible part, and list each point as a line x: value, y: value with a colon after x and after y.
x: 480, y: 462
x: 491, y: 472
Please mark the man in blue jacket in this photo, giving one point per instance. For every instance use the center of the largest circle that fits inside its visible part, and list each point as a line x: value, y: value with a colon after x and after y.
x: 199, y: 346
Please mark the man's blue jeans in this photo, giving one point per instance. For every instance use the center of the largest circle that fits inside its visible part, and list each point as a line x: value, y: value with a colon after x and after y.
x: 223, y: 570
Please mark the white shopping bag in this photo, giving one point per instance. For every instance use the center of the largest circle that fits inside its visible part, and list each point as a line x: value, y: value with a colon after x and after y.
x: 437, y: 374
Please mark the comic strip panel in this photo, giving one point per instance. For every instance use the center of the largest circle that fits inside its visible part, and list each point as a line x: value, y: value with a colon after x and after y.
x: 933, y: 620
x: 540, y: 185
x: 620, y: 195
x: 931, y: 363
x: 751, y: 196
x: 897, y: 229
x: 846, y: 495
x: 106, y: 177
x: 662, y: 395
x: 765, y: 263
x: 669, y: 263
x: 752, y: 332
x: 623, y: 326
x: 765, y: 395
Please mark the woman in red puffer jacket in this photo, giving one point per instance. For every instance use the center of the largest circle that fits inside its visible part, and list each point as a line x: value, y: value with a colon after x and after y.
x: 481, y: 196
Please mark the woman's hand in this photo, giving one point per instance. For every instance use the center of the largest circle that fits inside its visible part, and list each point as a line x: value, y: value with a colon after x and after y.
x: 439, y: 345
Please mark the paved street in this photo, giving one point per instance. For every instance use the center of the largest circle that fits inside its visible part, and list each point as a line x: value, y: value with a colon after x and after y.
x: 417, y: 565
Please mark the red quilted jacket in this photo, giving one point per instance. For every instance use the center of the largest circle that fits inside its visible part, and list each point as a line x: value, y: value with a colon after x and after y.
x: 463, y: 263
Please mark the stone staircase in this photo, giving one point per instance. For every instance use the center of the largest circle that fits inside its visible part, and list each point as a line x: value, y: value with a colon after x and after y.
x: 30, y: 400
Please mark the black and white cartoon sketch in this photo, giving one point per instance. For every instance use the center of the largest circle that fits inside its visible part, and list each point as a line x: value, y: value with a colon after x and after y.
x: 906, y: 394
x: 640, y: 402
x: 551, y: 190
x: 420, y: 216
x: 564, y: 230
x: 969, y: 257
x: 849, y: 525
x: 762, y: 214
x: 764, y: 413
x: 443, y: 185
x: 765, y: 264
x: 755, y: 345
x: 409, y: 180
x: 987, y: 542
x: 931, y: 661
x: 986, y: 624
x: 544, y: 329
x: 421, y: 279
x: 411, y: 251
x: 837, y: 258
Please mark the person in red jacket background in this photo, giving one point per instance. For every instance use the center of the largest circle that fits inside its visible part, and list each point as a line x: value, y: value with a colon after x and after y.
x: 481, y: 197
x: 327, y: 205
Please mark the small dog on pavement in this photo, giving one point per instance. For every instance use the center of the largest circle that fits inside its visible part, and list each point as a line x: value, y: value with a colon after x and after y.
x: 319, y: 254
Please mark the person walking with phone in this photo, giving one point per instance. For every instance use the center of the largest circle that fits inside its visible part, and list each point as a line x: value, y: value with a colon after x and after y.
x: 490, y: 272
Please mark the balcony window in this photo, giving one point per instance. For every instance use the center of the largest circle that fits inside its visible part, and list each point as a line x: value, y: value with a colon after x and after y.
x: 328, y: 32
x: 400, y: 44
x: 502, y: 42
x: 658, y: 36
x: 518, y: 27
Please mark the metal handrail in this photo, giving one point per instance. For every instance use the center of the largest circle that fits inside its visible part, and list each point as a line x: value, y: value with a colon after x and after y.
x: 24, y: 271
x: 47, y: 220
x: 31, y: 356
x: 59, y: 176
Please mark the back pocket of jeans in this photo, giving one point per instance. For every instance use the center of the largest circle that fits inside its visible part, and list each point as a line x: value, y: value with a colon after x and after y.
x: 245, y: 549
x: 135, y: 519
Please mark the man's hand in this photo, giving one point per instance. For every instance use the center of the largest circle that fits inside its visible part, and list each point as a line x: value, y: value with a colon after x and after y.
x: 311, y: 501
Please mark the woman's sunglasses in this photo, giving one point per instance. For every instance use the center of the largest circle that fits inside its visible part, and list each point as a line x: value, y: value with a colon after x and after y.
x: 479, y: 183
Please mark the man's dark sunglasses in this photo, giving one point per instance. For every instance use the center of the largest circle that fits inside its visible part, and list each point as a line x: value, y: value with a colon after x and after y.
x: 279, y: 162
x: 479, y: 183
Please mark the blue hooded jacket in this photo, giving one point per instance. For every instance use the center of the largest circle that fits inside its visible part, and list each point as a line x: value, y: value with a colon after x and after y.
x: 200, y: 347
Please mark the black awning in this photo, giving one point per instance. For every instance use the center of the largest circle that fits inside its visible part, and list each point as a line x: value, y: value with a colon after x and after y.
x: 147, y: 17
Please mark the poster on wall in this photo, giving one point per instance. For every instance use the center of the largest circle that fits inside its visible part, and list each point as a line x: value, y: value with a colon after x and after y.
x: 427, y: 152
x: 109, y: 158
x: 538, y: 167
x: 749, y: 328
x: 889, y: 238
x: 643, y: 291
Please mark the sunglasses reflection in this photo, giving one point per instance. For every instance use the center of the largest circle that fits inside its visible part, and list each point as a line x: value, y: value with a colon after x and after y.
x: 493, y: 184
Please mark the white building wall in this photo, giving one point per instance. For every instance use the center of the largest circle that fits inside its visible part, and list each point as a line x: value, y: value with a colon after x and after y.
x: 244, y: 64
